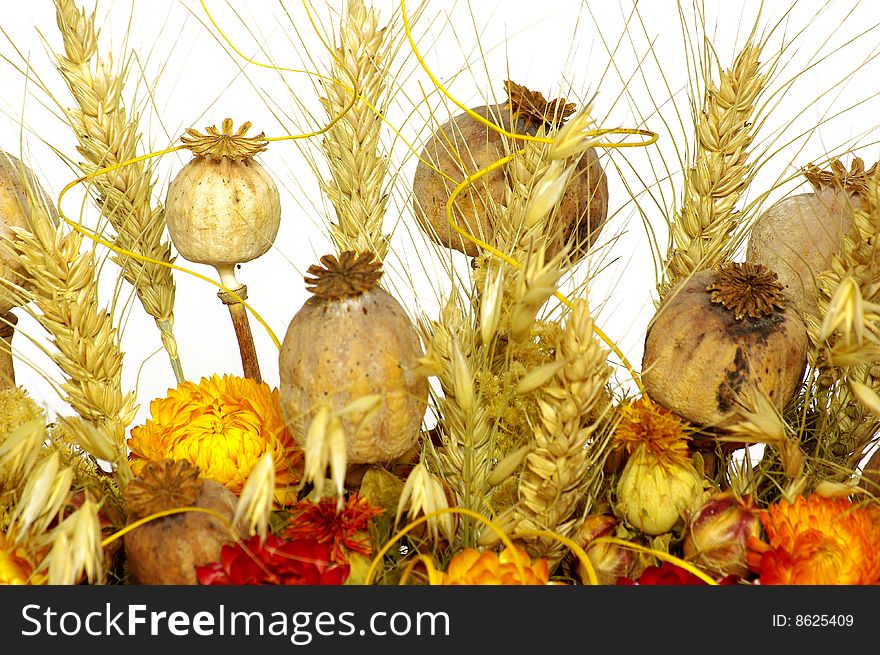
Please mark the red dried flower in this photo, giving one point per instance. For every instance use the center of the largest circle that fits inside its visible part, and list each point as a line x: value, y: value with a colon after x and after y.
x: 341, y: 529
x: 275, y: 562
x: 669, y: 574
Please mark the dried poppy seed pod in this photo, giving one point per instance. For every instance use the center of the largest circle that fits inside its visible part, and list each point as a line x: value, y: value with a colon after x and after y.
x: 464, y: 145
x: 352, y: 339
x: 719, y: 333
x: 224, y: 209
x: 798, y: 236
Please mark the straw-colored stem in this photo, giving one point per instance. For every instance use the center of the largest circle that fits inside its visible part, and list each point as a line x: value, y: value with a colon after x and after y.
x: 7, y: 330
x: 166, y: 331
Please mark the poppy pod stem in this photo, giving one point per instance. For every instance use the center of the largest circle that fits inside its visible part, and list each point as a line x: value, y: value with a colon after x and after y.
x: 7, y: 330
x: 238, y: 313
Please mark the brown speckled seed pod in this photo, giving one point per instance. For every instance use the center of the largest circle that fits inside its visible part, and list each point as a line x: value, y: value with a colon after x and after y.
x: 582, y: 210
x: 349, y: 340
x: 719, y: 333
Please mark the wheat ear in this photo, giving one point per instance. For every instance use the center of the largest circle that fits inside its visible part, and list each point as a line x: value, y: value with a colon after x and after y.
x: 358, y: 167
x: 464, y: 458
x: 65, y: 303
x: 700, y: 234
x: 563, y: 448
x: 108, y: 135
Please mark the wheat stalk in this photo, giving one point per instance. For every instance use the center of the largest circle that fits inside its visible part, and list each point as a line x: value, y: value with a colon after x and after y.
x: 357, y: 165
x: 65, y: 303
x: 508, y: 350
x: 563, y: 447
x: 108, y: 135
x: 464, y: 458
x: 701, y: 231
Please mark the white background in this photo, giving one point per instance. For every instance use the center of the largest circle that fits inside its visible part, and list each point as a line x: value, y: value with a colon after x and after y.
x: 185, y: 75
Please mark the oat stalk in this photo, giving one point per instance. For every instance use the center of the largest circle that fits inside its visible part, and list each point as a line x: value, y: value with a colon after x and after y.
x: 358, y: 165
x: 108, y: 134
x: 701, y: 231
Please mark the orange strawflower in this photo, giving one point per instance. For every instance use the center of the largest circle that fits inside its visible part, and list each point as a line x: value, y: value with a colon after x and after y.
x: 223, y: 425
x: 511, y: 567
x: 817, y: 541
x: 16, y: 567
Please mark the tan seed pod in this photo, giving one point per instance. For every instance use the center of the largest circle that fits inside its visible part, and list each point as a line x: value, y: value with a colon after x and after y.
x: 798, y: 236
x: 350, y: 340
x: 223, y: 208
x: 720, y: 334
x: 464, y: 145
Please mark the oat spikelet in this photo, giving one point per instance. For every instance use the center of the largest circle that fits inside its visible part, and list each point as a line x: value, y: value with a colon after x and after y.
x: 564, y: 446
x: 76, y: 549
x: 45, y: 492
x: 65, y: 303
x: 22, y: 433
x: 256, y: 502
x: 422, y: 495
x: 358, y: 165
x: 108, y: 135
x: 700, y: 234
x: 85, y: 538
x: 325, y: 448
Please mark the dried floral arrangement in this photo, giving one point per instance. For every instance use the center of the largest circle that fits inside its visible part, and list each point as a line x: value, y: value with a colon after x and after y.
x: 490, y: 442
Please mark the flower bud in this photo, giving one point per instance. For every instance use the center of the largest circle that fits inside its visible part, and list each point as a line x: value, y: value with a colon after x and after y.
x: 653, y: 492
x: 610, y: 561
x: 717, y: 533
